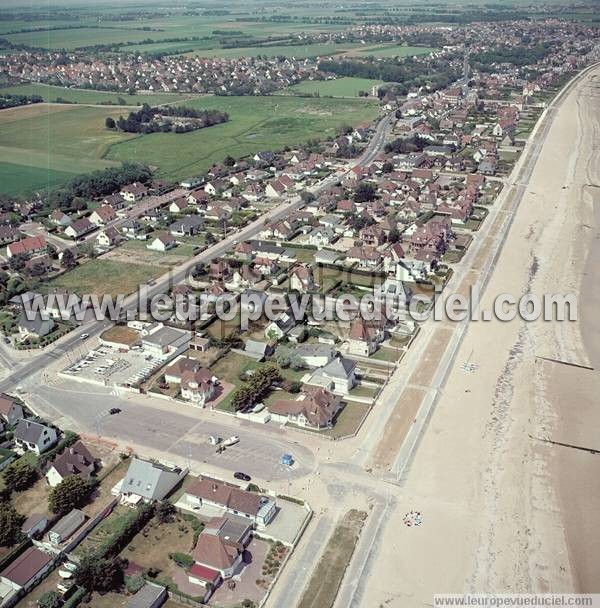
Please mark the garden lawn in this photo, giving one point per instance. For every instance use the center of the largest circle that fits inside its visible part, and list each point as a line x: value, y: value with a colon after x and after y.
x: 150, y: 548
x: 106, y: 277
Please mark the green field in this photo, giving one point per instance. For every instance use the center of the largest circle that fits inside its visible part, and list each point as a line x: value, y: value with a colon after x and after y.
x: 50, y: 144
x: 340, y: 87
x: 256, y: 123
x: 12, y: 178
x: 105, y: 277
x: 58, y: 141
x: 84, y: 96
x: 397, y: 50
x: 298, y: 51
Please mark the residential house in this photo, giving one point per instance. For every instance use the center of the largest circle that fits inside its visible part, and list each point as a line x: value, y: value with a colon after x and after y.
x: 179, y: 205
x: 34, y: 436
x: 198, y: 198
x: 314, y: 355
x: 301, y: 278
x: 23, y: 573
x: 187, y: 226
x: 79, y: 228
x: 162, y: 241
x: 322, y: 236
x: 11, y: 410
x: 316, y: 409
x: 75, y: 460
x: 59, y: 218
x: 373, y: 235
x: 365, y: 256
x: 131, y: 228
x: 133, y: 192
x: 280, y: 326
x: 103, y: 215
x: 116, y: 201
x: 28, y: 246
x: 230, y: 499
x: 108, y: 238
x: 338, y: 376
x: 147, y: 481
x: 221, y: 545
x: 364, y: 338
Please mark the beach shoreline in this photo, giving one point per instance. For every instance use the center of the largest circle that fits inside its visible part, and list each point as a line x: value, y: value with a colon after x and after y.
x: 503, y: 509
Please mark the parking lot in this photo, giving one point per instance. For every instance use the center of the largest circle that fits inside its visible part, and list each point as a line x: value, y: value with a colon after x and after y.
x: 107, y: 366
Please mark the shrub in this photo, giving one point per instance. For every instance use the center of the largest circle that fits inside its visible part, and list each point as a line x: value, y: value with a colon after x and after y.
x: 182, y: 559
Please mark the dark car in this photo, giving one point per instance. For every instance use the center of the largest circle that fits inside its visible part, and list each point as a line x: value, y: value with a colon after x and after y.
x: 114, y: 410
x: 242, y: 476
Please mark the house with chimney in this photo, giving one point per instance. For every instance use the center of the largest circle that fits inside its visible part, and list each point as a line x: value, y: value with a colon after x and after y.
x: 220, y: 548
x: 27, y: 246
x: 75, y: 460
x: 315, y: 409
x: 133, y: 192
x: 229, y: 499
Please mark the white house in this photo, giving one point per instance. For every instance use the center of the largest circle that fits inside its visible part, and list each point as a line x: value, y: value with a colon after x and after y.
x: 34, y: 436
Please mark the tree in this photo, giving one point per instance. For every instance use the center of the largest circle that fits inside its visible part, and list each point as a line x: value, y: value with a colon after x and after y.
x: 69, y: 494
x: 110, y: 123
x: 99, y: 574
x: 10, y: 524
x: 163, y: 511
x: 68, y: 260
x: 364, y: 192
x: 19, y: 476
x: 394, y: 235
x: 50, y: 599
x: 229, y: 161
x: 388, y: 167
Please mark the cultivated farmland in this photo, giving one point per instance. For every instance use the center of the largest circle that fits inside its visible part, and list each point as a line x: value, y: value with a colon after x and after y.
x: 84, y: 96
x: 57, y: 141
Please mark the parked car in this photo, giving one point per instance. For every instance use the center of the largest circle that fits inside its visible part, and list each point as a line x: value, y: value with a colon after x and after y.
x: 242, y: 476
x: 231, y: 440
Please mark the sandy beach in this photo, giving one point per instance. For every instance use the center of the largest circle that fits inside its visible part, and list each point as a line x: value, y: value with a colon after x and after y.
x: 504, y: 510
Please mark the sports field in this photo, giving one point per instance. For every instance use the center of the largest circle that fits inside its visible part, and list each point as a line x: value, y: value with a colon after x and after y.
x: 256, y: 123
x: 340, y: 87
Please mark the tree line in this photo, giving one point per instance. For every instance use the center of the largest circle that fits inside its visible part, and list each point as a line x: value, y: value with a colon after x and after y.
x: 152, y: 120
x: 12, y: 101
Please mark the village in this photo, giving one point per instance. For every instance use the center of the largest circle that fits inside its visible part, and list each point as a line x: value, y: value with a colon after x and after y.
x: 389, y: 208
